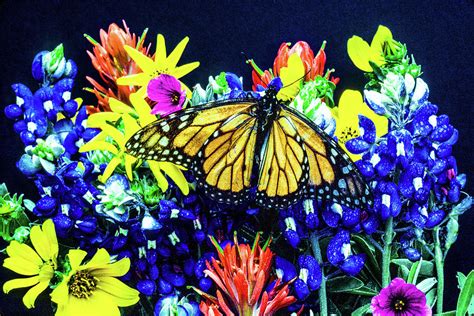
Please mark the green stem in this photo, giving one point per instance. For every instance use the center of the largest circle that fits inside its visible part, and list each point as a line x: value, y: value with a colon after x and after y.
x: 387, y: 250
x: 323, y: 304
x: 439, y: 262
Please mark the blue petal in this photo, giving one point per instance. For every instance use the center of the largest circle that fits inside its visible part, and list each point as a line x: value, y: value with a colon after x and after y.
x: 146, y: 287
x: 376, y: 101
x: 334, y: 250
x: 233, y: 81
x: 301, y: 289
x: 434, y: 218
x: 353, y: 264
x: 357, y: 145
x: 285, y: 268
x: 412, y: 254
x: 367, y: 128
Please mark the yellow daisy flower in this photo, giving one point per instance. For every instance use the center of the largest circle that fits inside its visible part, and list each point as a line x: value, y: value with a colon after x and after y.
x: 361, y: 53
x: 38, y: 263
x: 133, y: 119
x: 162, y: 64
x: 91, y: 289
x: 346, y: 115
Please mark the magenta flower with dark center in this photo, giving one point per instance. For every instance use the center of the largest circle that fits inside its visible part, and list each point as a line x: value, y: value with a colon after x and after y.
x: 400, y: 299
x: 166, y: 90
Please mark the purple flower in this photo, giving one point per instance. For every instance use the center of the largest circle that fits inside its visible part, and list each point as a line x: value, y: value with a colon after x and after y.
x: 400, y: 298
x: 167, y: 91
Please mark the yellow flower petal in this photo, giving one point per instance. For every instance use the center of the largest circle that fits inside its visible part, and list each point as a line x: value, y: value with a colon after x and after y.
x: 41, y: 243
x: 160, y: 52
x: 129, y: 161
x: 122, y: 294
x: 183, y: 70
x: 30, y: 296
x: 382, y: 35
x: 130, y: 126
x: 114, y: 133
x: 75, y: 257
x: 96, y: 120
x: 15, y: 249
x: 292, y: 77
x: 143, y: 109
x: 115, y: 269
x: 50, y: 233
x: 117, y: 108
x: 98, y: 304
x: 19, y: 283
x: 60, y: 295
x: 176, y: 175
x: 160, y: 178
x: 99, y: 145
x: 140, y: 79
x: 110, y: 169
x: 176, y: 54
x: 359, y: 52
x: 100, y: 258
x: 145, y: 63
x: 21, y: 266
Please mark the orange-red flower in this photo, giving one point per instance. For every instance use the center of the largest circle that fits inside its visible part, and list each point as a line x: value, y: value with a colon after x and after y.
x: 111, y: 60
x: 242, y: 275
x: 313, y: 65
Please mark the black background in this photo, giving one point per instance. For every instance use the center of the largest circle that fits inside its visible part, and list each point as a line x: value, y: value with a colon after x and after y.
x: 438, y: 33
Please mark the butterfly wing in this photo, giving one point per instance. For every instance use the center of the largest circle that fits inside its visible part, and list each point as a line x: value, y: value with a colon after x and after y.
x: 283, y: 168
x: 217, y: 141
x: 332, y: 176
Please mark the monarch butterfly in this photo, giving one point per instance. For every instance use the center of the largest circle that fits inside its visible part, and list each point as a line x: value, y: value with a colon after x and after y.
x: 251, y: 148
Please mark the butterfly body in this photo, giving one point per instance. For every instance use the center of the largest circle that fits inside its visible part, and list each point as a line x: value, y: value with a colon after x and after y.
x: 253, y: 150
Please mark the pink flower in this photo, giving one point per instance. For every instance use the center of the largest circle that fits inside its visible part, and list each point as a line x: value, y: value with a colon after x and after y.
x: 166, y: 90
x: 400, y: 299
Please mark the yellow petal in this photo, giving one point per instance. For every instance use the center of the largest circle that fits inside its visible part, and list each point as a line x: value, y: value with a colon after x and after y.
x: 140, y: 79
x: 19, y: 283
x: 41, y: 243
x: 142, y: 108
x: 97, y: 304
x: 160, y: 178
x: 50, y: 232
x: 99, y: 145
x: 115, y: 133
x: 101, y: 258
x: 382, y: 35
x: 189, y: 93
x: 75, y: 257
x: 30, y: 296
x: 122, y: 294
x: 130, y: 126
x: 96, y: 120
x: 145, y: 63
x: 110, y: 169
x: 129, y: 161
x: 115, y: 269
x: 359, y: 52
x: 60, y: 295
x: 291, y: 76
x: 183, y: 70
x: 176, y: 175
x: 176, y: 54
x: 119, y: 107
x: 21, y: 266
x: 160, y: 53
x: 15, y: 249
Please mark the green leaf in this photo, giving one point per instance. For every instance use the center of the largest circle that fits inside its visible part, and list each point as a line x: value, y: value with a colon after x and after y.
x: 466, y: 294
x: 452, y: 228
x: 364, y: 290
x: 426, y: 284
x: 414, y: 271
x: 451, y: 313
x: 29, y: 204
x: 431, y: 298
x: 462, y: 206
x: 403, y: 272
x: 427, y: 267
x: 363, y: 310
x: 343, y: 284
x: 461, y: 279
x: 3, y: 189
x: 332, y: 308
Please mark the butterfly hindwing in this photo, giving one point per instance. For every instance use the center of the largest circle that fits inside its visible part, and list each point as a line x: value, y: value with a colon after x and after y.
x: 224, y: 165
x: 332, y: 176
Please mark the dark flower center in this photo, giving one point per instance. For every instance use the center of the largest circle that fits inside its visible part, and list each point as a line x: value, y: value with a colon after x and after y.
x: 399, y: 304
x: 175, y: 98
x: 82, y: 284
x: 348, y: 133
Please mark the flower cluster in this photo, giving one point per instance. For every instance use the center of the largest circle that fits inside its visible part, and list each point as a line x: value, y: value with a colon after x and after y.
x: 178, y: 251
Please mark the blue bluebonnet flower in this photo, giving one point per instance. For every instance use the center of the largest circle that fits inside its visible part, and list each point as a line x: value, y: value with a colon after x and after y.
x: 387, y: 200
x: 339, y: 254
x: 415, y: 183
x: 172, y: 305
x: 365, y: 140
x: 47, y: 67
